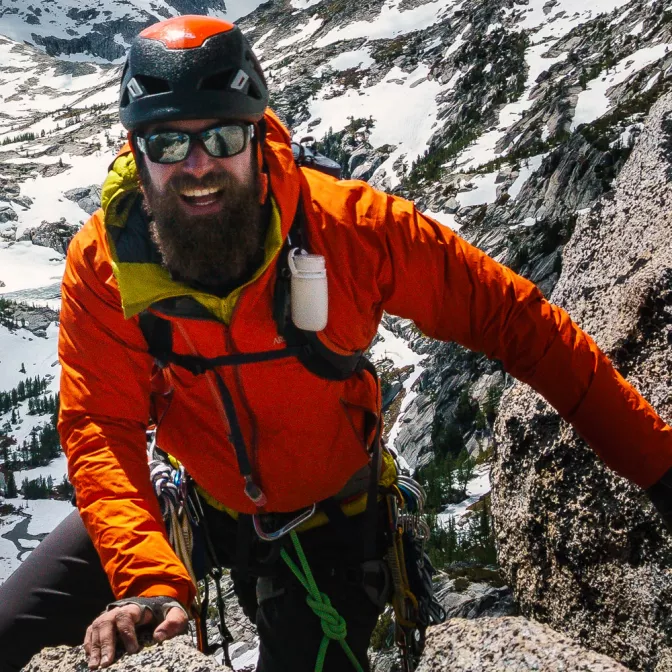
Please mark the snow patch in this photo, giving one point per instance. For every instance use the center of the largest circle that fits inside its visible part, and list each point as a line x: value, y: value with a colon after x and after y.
x: 594, y: 101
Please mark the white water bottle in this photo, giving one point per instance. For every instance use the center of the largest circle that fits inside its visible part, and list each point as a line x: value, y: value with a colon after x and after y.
x: 310, y: 299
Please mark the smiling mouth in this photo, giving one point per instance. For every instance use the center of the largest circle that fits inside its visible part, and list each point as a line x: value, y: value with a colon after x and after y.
x: 201, y: 197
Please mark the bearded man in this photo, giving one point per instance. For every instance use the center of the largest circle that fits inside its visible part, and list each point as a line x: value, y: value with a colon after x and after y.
x: 273, y: 423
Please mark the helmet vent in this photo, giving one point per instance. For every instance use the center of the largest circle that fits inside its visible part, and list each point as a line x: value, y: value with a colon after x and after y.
x: 217, y: 82
x: 153, y: 85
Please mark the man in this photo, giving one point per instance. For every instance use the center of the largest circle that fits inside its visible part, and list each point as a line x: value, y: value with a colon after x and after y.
x: 200, y: 242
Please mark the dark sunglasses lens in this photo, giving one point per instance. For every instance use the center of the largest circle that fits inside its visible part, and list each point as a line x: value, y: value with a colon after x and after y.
x: 167, y: 146
x: 224, y: 141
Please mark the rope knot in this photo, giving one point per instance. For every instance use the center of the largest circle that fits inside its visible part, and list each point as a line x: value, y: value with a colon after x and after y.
x: 333, y: 624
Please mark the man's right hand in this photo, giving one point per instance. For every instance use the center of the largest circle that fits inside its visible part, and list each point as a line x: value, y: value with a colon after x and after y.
x: 122, y: 621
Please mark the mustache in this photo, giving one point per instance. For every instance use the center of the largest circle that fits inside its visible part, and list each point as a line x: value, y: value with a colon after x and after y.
x: 212, y: 180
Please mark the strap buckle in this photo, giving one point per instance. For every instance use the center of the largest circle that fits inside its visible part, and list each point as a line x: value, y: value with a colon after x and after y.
x: 285, y: 529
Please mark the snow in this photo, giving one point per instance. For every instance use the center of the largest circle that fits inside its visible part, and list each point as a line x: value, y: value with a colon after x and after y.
x: 528, y: 167
x: 484, y: 148
x: 397, y: 349
x: 409, y: 128
x: 49, y: 204
x: 46, y: 513
x: 23, y: 347
x: 594, y: 102
x: 256, y: 47
x: 56, y: 469
x: 8, y: 551
x: 444, y: 218
x: 652, y: 81
x: 557, y: 25
x: 57, y: 24
x: 391, y: 22
x: 637, y: 29
x: 24, y: 265
x: 304, y: 32
x: 485, y: 191
x: 477, y: 488
x: 622, y: 17
x: 304, y: 4
x: 246, y: 660
x: 361, y: 58
x: 459, y: 41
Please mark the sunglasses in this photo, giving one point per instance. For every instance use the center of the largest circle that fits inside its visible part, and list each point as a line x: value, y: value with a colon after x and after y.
x: 174, y: 146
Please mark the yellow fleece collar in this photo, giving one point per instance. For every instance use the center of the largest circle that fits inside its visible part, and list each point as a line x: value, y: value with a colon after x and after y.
x: 142, y: 284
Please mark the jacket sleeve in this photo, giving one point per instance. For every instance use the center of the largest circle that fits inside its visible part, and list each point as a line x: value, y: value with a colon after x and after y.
x: 104, y: 412
x: 455, y: 292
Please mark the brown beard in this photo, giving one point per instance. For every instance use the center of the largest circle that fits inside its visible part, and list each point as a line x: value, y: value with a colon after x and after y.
x: 217, y: 252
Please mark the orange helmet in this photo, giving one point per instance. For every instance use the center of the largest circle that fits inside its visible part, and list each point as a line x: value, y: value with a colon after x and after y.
x: 191, y: 67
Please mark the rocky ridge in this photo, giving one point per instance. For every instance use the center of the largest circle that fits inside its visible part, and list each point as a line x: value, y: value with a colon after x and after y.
x: 582, y: 547
x: 459, y: 645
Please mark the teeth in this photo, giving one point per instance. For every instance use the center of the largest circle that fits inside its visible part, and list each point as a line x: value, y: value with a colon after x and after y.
x: 199, y: 192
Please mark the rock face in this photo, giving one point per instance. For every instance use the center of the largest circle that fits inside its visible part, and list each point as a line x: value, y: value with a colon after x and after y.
x: 176, y: 654
x: 87, y: 198
x: 507, y: 645
x: 56, y: 235
x: 581, y: 547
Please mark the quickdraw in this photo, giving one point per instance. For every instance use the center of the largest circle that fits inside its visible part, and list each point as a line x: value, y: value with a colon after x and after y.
x: 413, y: 597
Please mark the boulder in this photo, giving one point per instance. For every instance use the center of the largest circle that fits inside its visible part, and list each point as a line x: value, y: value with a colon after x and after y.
x: 87, y: 198
x: 7, y: 213
x: 581, y: 547
x: 175, y: 654
x: 56, y: 235
x: 507, y: 644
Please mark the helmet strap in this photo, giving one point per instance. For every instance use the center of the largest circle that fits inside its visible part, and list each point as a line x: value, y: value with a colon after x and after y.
x: 260, y: 137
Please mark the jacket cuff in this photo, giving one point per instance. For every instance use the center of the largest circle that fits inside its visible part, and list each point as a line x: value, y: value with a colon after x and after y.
x: 158, y: 605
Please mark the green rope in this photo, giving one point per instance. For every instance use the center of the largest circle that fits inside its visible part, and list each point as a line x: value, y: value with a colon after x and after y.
x: 333, y: 624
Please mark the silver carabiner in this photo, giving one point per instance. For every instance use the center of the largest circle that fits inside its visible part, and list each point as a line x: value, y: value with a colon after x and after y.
x: 285, y: 529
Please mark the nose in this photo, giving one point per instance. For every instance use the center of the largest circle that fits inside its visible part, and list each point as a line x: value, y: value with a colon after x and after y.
x: 198, y: 161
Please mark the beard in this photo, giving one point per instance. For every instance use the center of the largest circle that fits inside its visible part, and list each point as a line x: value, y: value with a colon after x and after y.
x: 214, y: 251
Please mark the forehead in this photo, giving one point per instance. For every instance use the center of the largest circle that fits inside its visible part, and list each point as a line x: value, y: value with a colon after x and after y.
x: 191, y: 125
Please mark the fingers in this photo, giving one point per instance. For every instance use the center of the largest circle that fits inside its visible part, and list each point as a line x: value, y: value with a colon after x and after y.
x: 125, y: 625
x: 106, y: 635
x: 100, y: 639
x: 174, y: 624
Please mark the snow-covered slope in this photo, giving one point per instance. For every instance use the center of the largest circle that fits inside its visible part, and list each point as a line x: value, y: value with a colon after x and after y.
x: 103, y: 31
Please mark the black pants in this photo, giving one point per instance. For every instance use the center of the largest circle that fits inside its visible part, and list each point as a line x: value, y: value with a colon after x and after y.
x: 60, y: 589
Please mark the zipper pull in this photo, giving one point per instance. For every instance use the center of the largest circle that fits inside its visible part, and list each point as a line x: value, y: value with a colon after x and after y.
x: 254, y: 492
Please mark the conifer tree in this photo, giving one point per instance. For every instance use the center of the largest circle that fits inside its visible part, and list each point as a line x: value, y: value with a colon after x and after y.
x: 11, y: 485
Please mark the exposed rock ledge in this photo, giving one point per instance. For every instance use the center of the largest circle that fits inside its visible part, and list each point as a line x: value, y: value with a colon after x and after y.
x: 482, y: 645
x: 509, y: 644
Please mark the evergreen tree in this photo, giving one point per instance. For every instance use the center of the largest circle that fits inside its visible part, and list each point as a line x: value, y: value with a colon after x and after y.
x: 11, y: 485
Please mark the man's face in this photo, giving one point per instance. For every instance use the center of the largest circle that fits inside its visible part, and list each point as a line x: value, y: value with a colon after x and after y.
x: 205, y: 211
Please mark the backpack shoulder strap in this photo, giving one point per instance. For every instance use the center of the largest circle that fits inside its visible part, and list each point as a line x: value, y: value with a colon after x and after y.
x: 159, y: 336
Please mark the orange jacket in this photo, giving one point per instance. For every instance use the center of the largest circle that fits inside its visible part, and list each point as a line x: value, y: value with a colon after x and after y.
x: 305, y: 434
